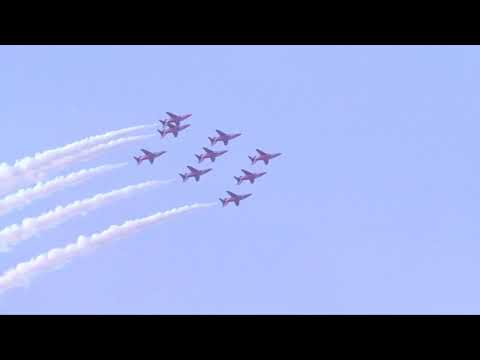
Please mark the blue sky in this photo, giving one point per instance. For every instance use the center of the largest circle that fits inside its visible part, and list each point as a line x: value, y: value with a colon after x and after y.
x: 371, y: 209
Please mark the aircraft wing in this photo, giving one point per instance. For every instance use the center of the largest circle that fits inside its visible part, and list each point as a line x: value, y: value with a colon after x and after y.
x: 247, y: 172
x: 261, y: 152
x: 172, y: 115
x: 231, y: 194
x: 191, y: 168
x: 146, y: 152
x: 221, y: 133
x: 207, y: 150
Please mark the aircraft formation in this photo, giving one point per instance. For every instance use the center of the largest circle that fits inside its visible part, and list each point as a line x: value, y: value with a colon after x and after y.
x: 173, y: 125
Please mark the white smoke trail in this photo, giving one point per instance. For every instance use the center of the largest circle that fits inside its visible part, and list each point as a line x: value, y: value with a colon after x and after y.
x: 27, y: 168
x: 53, y: 259
x: 90, y: 153
x: 41, y: 190
x: 29, y: 227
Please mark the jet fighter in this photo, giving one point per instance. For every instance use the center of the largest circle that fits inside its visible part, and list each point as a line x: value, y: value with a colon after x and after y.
x: 150, y: 156
x: 173, y: 129
x: 248, y: 176
x: 209, y: 154
x: 233, y: 198
x: 195, y: 173
x: 263, y: 156
x: 225, y: 138
x: 174, y: 119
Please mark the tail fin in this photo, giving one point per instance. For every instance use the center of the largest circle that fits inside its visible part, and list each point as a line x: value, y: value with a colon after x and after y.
x: 184, y: 177
x: 224, y: 203
x: 199, y: 158
x: 137, y: 159
x: 252, y: 158
x: 164, y: 122
x: 161, y: 132
x: 212, y: 140
x: 238, y: 179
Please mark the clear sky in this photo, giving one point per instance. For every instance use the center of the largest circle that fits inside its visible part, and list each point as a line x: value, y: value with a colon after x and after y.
x: 372, y: 208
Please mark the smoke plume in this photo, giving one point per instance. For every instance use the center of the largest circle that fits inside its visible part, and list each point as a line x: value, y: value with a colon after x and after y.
x: 30, y: 168
x: 22, y: 273
x: 41, y: 190
x: 90, y: 153
x: 29, y: 227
